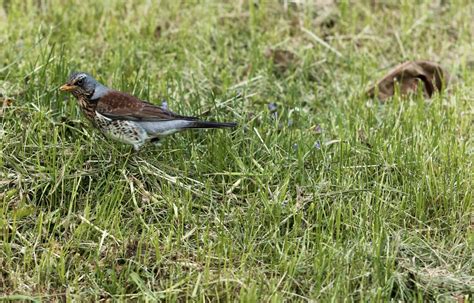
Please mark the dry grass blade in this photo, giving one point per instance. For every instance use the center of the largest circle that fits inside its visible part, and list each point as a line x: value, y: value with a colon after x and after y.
x: 194, y: 186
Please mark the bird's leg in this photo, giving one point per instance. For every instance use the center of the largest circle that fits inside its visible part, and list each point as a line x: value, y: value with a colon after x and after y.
x: 156, y: 141
x: 137, y: 146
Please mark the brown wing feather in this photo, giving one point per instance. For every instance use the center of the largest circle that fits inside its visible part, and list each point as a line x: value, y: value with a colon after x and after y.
x: 118, y: 105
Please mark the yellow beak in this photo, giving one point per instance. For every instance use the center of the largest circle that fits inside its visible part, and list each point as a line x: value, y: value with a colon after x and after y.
x: 67, y: 87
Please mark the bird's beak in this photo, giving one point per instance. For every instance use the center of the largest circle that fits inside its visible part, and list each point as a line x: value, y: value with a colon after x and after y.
x: 67, y: 87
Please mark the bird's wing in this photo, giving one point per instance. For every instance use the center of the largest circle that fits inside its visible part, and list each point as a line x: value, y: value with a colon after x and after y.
x: 121, y: 106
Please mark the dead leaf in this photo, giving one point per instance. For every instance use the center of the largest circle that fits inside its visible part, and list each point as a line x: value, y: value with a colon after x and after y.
x: 409, y: 75
x: 6, y: 102
x: 317, y: 129
x: 282, y: 59
x: 459, y: 298
x: 8, y: 92
x: 362, y: 136
x: 161, y: 30
x: 158, y: 32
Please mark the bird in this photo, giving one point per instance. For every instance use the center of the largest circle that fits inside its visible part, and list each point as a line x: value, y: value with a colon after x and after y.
x: 126, y: 118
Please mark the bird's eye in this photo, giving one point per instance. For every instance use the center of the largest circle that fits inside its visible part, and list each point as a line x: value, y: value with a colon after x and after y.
x: 80, y: 82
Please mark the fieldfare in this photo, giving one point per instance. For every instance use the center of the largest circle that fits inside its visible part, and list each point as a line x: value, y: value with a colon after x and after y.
x: 126, y: 118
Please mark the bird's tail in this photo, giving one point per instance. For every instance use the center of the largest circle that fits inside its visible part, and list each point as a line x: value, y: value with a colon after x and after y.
x: 210, y: 124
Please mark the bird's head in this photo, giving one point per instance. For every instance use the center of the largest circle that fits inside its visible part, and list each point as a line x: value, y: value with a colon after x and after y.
x: 80, y: 84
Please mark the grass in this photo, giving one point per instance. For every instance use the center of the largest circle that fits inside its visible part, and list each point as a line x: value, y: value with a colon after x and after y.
x: 334, y: 198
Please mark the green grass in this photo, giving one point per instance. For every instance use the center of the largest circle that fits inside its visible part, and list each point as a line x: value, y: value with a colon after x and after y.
x: 382, y: 210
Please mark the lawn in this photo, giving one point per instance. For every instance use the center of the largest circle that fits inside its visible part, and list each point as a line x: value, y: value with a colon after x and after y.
x: 319, y: 194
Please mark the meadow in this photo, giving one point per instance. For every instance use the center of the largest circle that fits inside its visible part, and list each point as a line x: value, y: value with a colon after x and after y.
x: 320, y: 194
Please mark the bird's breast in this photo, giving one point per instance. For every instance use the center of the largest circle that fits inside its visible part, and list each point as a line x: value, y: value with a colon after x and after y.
x: 87, y: 108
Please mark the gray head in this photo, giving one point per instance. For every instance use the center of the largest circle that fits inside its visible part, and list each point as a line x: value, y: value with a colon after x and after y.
x: 83, y: 84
